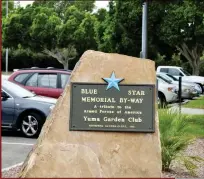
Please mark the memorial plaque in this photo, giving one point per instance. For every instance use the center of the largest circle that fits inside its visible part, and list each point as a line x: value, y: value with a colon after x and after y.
x: 99, y: 107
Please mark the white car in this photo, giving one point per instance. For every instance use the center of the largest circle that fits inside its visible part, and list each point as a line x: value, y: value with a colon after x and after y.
x: 188, y: 89
x: 179, y: 71
x: 167, y: 93
x: 4, y: 77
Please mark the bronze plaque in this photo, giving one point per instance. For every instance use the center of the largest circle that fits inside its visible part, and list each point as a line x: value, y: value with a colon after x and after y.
x: 128, y: 109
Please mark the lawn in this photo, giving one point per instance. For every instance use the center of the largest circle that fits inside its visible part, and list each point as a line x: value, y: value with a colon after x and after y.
x: 196, y: 103
x: 195, y: 123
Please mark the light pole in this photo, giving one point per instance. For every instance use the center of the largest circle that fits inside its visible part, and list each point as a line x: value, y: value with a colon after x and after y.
x: 7, y: 48
x: 143, y: 53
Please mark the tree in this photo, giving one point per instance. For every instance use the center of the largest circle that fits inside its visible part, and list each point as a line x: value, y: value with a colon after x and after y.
x: 10, y: 7
x: 183, y: 27
x: 78, y: 29
x: 63, y: 55
x: 16, y: 28
x: 43, y: 30
x: 61, y: 6
x: 122, y: 28
x: 87, y: 5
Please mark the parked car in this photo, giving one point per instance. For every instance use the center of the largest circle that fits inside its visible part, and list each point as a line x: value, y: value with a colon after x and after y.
x: 179, y: 71
x: 167, y: 93
x: 4, y: 77
x: 24, y: 110
x: 197, y: 86
x: 188, y: 90
x: 48, y: 82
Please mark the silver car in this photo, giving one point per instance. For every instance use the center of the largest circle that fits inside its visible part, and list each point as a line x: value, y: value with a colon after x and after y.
x: 188, y: 90
x: 23, y: 110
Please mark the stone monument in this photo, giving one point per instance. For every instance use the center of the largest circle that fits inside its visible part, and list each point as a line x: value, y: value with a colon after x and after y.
x: 104, y: 125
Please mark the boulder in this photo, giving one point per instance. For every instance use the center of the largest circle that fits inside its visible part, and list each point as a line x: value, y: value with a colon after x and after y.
x: 60, y: 152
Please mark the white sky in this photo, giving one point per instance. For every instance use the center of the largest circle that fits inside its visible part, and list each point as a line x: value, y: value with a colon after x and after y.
x: 99, y: 4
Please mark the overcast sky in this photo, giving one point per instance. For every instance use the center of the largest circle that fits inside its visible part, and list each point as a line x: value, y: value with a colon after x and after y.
x: 99, y: 4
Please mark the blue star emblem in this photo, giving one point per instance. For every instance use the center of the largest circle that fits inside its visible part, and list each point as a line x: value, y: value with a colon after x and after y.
x: 113, y: 82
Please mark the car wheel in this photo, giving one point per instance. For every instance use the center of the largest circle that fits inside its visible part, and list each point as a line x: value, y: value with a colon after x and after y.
x: 201, y: 86
x: 31, y: 125
x: 162, y: 101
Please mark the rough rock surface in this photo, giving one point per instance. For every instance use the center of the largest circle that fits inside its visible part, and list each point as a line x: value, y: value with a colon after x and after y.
x: 63, y: 153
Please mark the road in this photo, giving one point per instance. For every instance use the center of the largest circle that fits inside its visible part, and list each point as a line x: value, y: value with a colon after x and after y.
x: 15, y: 148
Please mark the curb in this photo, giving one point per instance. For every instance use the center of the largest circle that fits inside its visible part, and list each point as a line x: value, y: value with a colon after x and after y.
x: 13, y: 166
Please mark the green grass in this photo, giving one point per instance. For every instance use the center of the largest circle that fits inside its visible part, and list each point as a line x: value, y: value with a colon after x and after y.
x: 196, y: 103
x: 195, y: 122
x: 176, y: 133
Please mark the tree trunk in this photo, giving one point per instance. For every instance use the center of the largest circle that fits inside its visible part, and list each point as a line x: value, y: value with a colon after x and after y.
x: 66, y: 65
x: 192, y: 56
x: 196, y: 69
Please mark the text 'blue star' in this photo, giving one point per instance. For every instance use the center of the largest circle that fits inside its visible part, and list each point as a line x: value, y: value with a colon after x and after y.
x: 113, y: 82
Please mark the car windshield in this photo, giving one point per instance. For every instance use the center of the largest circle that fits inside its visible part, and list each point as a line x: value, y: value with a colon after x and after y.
x: 172, y: 77
x: 160, y: 80
x: 185, y: 72
x: 167, y: 81
x: 167, y: 78
x: 17, y: 90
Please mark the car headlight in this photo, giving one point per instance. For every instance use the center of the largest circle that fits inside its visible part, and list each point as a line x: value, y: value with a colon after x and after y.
x: 187, y: 90
x: 51, y: 107
x: 173, y: 89
x: 198, y: 87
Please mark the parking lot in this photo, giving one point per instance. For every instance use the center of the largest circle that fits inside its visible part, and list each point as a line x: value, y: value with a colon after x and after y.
x: 15, y: 149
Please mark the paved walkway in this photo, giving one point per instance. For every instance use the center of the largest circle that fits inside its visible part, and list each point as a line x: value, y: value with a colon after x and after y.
x: 191, y: 111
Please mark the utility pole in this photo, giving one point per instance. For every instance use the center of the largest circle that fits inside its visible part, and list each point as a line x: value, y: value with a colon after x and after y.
x: 143, y: 53
x: 6, y: 48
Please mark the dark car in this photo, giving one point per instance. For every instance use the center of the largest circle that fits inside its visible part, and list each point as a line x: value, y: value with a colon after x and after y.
x: 24, y: 110
x: 42, y: 81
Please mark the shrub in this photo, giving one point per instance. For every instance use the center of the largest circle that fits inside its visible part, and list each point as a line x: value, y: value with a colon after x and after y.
x: 175, y: 137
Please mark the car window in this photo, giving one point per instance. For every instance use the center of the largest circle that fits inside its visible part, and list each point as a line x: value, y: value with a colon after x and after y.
x: 47, y: 80
x: 3, y: 93
x: 64, y: 80
x: 17, y: 90
x: 19, y: 78
x: 172, y: 77
x: 165, y: 70
x: 32, y: 81
x: 174, y: 72
x: 167, y: 78
x: 185, y: 72
x: 161, y: 80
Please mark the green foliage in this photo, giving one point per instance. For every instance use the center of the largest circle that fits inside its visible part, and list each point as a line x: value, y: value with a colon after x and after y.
x: 58, y: 24
x: 198, y: 103
x: 175, y: 137
x: 182, y: 27
x: 16, y: 28
x: 44, y: 28
x: 87, y: 5
x: 10, y: 7
x: 121, y: 30
x: 176, y: 60
x: 63, y: 55
x: 197, y: 125
x: 160, y: 59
